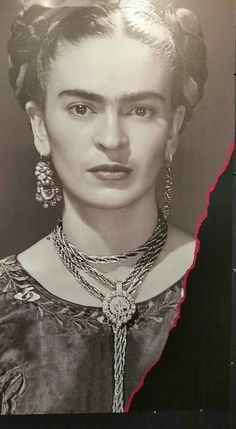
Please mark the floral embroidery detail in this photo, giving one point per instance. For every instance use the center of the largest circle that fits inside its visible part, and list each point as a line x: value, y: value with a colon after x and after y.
x: 12, y: 385
x: 82, y: 320
x: 27, y: 295
x: 81, y: 317
x: 151, y: 310
x: 13, y: 277
x: 16, y: 280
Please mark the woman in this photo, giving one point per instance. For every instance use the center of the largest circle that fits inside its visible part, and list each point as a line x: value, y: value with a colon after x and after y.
x: 107, y: 87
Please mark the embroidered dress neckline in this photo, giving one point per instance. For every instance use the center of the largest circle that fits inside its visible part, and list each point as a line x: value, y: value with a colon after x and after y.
x: 42, y: 291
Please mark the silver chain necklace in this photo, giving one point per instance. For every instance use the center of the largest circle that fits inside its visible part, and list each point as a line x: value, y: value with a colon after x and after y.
x: 119, y: 303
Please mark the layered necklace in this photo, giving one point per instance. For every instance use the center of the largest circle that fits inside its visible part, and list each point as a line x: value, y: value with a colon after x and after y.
x: 118, y: 302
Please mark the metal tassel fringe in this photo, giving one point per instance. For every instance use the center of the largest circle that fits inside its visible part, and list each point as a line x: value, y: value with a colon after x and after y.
x: 120, y: 340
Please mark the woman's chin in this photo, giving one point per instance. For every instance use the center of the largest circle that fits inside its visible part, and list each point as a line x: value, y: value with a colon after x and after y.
x: 108, y: 202
x: 109, y: 199
x: 111, y: 204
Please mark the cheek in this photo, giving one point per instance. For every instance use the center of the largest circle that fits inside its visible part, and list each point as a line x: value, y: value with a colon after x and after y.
x: 155, y: 157
x: 63, y: 141
x: 63, y: 155
x: 67, y: 134
x: 56, y: 132
x: 150, y: 143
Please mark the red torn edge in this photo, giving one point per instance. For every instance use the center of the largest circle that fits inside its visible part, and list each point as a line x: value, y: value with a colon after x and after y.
x: 197, y: 247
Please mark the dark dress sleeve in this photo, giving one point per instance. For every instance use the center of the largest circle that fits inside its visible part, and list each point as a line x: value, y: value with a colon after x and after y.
x: 12, y: 367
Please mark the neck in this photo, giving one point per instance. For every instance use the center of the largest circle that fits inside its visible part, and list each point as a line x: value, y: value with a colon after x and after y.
x: 98, y: 231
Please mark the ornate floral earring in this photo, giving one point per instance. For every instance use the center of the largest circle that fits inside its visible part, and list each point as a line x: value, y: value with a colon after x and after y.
x: 46, y: 192
x: 168, y: 187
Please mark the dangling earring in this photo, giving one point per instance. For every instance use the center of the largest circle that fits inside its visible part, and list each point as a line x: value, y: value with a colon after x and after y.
x: 46, y: 192
x: 168, y: 188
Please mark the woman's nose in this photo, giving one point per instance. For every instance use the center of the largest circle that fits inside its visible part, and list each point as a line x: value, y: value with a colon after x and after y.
x: 111, y: 135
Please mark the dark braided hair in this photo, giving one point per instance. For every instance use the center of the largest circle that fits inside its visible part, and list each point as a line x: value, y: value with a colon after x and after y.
x: 38, y: 30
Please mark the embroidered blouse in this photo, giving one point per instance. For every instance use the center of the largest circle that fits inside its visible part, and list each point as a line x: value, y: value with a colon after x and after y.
x: 56, y: 356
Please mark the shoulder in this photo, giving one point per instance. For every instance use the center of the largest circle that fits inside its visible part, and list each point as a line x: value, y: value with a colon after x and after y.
x: 179, y: 248
x: 16, y: 285
x: 179, y: 244
x: 40, y: 255
x: 177, y: 255
x: 174, y: 261
x: 14, y: 321
x: 12, y: 282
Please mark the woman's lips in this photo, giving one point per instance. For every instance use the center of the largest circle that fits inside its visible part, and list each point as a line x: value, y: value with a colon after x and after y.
x: 110, y: 171
x: 109, y: 175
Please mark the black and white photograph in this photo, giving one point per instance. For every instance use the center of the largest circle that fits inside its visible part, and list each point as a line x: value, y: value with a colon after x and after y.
x: 117, y: 127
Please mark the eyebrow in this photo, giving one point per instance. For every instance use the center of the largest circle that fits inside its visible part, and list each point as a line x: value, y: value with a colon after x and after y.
x: 129, y: 98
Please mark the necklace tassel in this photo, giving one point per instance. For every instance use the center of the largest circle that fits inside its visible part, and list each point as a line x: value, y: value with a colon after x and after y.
x: 120, y: 340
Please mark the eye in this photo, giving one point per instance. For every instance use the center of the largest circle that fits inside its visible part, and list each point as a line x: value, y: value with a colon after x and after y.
x: 142, y: 111
x: 80, y: 110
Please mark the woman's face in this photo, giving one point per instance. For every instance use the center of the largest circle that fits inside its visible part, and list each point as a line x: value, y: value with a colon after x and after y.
x: 108, y: 121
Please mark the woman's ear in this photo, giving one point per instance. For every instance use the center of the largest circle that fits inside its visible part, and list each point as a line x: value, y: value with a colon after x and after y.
x: 173, y: 141
x: 41, y: 140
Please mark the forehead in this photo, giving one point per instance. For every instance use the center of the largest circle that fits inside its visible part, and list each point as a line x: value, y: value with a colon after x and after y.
x: 110, y: 66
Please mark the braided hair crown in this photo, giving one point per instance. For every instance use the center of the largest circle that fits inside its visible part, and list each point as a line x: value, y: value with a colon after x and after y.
x: 41, y: 24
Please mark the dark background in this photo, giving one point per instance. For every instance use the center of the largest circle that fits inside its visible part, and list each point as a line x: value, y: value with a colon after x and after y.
x: 203, y: 148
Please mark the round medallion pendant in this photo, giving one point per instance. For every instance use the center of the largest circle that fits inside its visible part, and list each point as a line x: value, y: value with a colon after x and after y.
x: 119, y: 307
